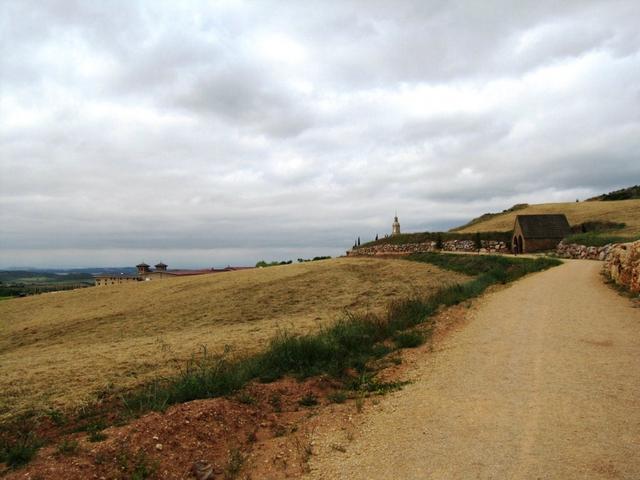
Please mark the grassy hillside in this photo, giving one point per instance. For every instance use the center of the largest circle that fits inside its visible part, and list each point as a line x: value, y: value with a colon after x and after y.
x: 66, y: 348
x: 622, y: 194
x: 623, y: 211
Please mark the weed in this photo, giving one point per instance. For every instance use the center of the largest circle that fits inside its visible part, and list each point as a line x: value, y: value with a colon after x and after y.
x: 380, y: 350
x: 94, y: 431
x: 234, y: 465
x: 246, y: 398
x: 142, y: 467
x: 338, y: 447
x: 360, y: 402
x: 309, y: 400
x: 279, y: 431
x: 305, y: 451
x: 57, y: 417
x: 137, y: 466
x: 338, y: 397
x: 67, y: 447
x: 97, y: 436
x: 409, y: 339
x: 19, y: 443
x: 276, y: 402
x: 21, y: 451
x: 367, y: 383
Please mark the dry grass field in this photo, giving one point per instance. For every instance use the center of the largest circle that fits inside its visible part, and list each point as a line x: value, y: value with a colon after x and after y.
x: 66, y: 348
x: 627, y: 211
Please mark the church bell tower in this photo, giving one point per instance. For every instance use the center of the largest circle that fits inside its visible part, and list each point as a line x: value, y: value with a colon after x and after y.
x: 395, y: 227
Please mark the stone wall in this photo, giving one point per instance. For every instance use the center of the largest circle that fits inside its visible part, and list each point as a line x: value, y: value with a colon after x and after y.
x: 488, y: 246
x: 581, y: 252
x: 623, y: 265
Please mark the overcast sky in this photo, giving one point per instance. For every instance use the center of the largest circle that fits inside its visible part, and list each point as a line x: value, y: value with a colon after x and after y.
x: 215, y: 133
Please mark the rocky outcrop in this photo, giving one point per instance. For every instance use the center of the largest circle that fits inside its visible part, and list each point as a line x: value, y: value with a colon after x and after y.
x: 488, y: 246
x: 623, y: 265
x: 582, y: 252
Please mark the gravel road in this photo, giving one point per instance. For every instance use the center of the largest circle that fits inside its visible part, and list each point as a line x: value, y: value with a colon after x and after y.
x: 543, y: 382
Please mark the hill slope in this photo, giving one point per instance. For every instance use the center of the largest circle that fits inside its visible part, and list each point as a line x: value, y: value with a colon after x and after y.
x: 63, y: 348
x: 622, y: 194
x: 623, y: 211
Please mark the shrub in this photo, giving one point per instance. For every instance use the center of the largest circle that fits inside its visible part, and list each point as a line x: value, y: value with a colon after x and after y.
x: 19, y: 451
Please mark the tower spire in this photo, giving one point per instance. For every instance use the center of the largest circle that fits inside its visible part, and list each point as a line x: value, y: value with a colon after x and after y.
x: 395, y: 227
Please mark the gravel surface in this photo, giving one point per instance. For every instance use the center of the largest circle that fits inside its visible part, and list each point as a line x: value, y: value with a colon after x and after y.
x: 543, y: 382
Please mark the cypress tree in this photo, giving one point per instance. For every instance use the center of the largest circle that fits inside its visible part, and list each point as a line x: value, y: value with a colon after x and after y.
x: 477, y: 241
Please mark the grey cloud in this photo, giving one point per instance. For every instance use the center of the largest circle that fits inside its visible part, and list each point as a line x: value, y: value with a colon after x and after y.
x: 156, y: 126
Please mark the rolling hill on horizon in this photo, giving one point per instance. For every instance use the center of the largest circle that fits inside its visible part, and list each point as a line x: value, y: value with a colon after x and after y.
x: 620, y: 211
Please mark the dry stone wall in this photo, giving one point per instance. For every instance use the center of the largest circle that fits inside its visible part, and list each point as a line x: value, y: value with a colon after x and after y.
x: 623, y: 265
x: 488, y: 246
x: 581, y: 252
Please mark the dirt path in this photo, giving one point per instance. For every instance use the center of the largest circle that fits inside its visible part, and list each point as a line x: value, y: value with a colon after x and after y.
x: 542, y: 383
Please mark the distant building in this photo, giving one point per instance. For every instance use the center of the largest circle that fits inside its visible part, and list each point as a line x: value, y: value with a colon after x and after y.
x: 395, y: 226
x: 143, y: 268
x: 534, y: 233
x: 146, y: 274
x: 105, y: 279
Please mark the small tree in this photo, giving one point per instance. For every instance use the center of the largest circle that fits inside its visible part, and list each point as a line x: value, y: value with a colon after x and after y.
x: 477, y: 241
x: 439, y: 243
x: 376, y: 237
x: 358, y: 241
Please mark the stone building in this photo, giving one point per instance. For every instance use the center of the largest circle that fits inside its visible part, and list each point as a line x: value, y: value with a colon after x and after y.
x: 395, y: 226
x: 534, y: 233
